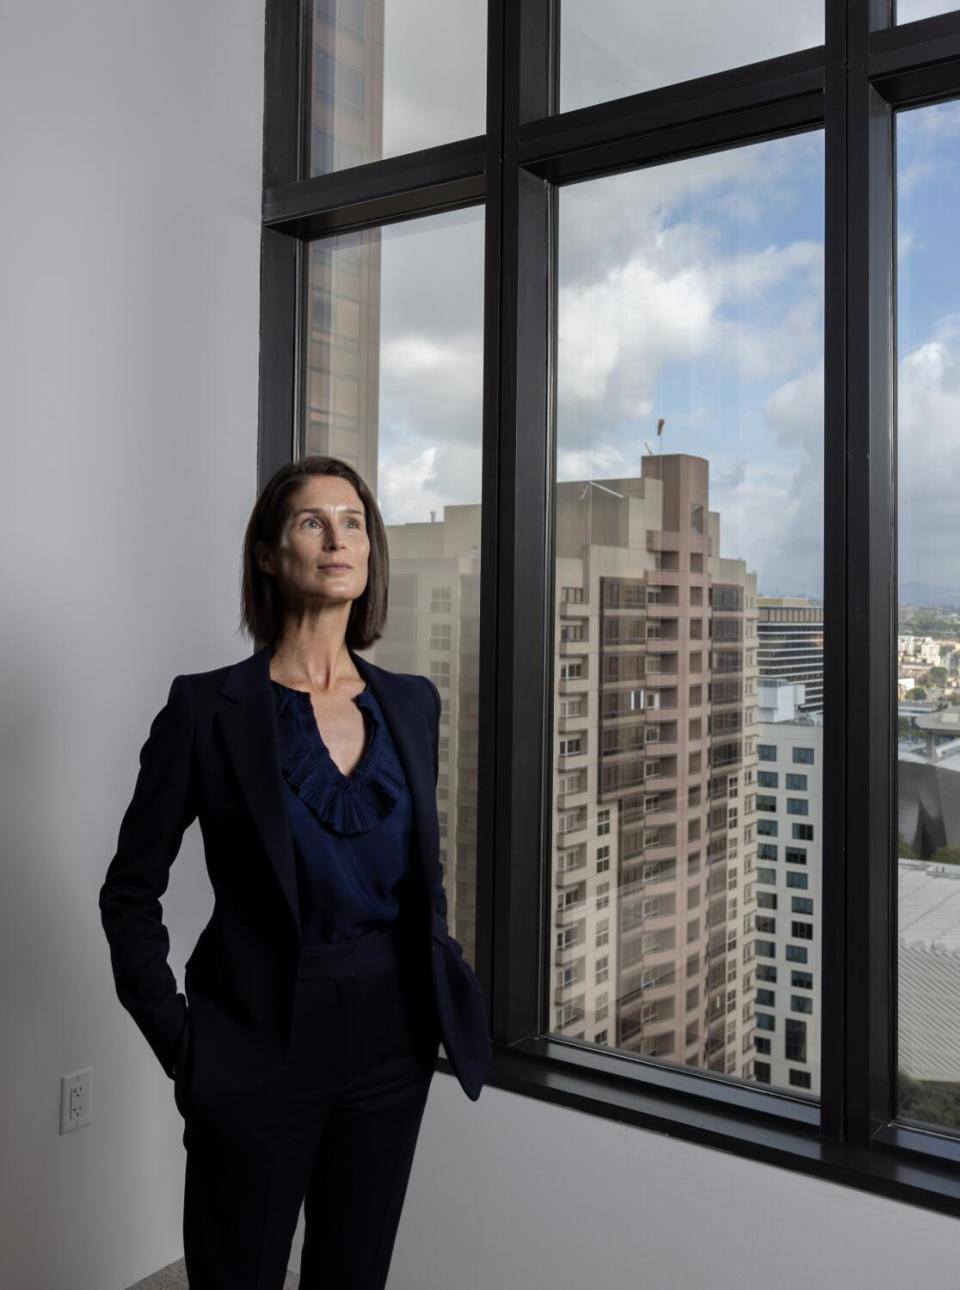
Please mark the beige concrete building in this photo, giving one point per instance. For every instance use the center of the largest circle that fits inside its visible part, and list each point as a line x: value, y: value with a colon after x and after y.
x: 654, y: 848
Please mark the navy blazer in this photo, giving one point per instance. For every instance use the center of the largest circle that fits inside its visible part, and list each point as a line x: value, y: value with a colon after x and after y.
x: 212, y: 754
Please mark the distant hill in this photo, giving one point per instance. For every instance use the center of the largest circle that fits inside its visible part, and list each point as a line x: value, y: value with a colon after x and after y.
x: 925, y: 593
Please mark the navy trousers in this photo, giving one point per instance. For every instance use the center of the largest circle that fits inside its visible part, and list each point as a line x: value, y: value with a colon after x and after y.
x: 334, y: 1130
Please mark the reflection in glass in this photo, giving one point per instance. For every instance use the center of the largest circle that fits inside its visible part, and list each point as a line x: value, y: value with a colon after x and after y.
x: 688, y: 706
x: 393, y: 76
x: 928, y: 632
x: 393, y: 362
x: 609, y: 48
x: 914, y: 10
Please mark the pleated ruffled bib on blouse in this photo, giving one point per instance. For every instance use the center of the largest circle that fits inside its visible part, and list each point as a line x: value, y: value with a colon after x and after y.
x: 352, y: 834
x: 350, y: 803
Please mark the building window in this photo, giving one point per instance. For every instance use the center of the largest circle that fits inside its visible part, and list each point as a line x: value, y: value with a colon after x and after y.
x: 617, y: 535
x: 795, y: 1040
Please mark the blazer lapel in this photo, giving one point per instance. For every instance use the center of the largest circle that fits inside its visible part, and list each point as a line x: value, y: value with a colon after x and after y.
x: 251, y: 737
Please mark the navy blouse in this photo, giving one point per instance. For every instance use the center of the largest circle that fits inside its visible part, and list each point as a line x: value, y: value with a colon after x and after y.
x: 352, y: 834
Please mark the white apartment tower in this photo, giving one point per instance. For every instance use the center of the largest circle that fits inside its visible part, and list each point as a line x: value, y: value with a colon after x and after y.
x: 654, y: 848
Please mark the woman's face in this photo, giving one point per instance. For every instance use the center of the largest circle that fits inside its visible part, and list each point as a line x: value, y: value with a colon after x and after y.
x: 326, y: 525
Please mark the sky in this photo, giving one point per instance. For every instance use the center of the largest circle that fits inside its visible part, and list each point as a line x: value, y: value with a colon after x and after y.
x: 928, y: 340
x: 691, y: 291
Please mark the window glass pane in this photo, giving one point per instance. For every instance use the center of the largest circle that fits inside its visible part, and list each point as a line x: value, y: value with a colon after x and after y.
x: 393, y: 76
x: 928, y: 640
x: 913, y: 10
x: 609, y: 48
x: 688, y: 498
x: 393, y: 365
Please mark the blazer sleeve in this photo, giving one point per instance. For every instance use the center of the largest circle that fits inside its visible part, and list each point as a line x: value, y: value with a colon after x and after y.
x: 162, y: 807
x: 435, y: 731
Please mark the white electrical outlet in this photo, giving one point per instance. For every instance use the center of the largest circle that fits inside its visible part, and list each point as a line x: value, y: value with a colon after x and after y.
x: 76, y: 1099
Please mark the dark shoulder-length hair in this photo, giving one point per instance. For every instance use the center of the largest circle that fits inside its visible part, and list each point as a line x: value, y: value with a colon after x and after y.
x: 261, y: 607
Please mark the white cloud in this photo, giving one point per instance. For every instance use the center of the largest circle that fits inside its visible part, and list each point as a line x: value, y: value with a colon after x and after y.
x: 928, y: 458
x: 615, y: 335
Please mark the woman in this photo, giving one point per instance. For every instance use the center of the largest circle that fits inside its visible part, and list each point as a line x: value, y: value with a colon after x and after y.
x: 321, y: 987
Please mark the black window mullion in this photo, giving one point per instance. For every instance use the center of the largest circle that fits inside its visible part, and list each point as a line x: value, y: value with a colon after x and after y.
x: 869, y: 905
x: 280, y: 331
x: 285, y: 45
x: 834, y: 785
x: 417, y: 183
x: 489, y: 790
x: 738, y: 106
x: 519, y: 206
x: 917, y: 62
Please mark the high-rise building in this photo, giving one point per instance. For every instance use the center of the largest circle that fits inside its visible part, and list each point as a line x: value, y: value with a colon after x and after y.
x: 789, y: 884
x: 653, y: 848
x: 340, y: 395
x: 433, y: 629
x: 790, y: 633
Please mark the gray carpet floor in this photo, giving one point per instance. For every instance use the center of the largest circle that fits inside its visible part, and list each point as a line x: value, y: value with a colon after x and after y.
x: 174, y: 1277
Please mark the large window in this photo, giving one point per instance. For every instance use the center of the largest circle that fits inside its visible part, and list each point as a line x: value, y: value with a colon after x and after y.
x: 391, y: 380
x: 376, y: 85
x: 928, y: 626
x: 642, y: 322
x: 690, y: 315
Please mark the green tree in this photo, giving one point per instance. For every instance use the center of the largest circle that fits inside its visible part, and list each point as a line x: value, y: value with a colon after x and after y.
x: 917, y: 693
x: 918, y: 1100
x: 946, y: 855
x: 938, y: 676
x: 904, y: 850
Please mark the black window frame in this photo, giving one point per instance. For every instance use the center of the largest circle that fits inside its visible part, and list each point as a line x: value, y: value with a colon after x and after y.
x: 850, y: 88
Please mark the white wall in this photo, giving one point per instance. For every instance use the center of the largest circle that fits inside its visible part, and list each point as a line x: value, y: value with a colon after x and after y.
x: 130, y: 144
x: 509, y: 1192
x: 129, y: 262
